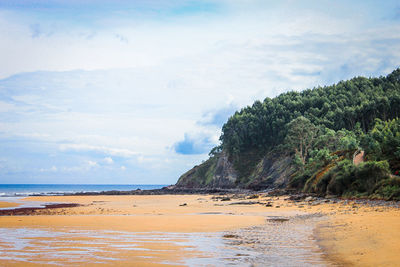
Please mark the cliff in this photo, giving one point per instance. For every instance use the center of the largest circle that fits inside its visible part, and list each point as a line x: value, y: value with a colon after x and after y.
x: 219, y: 172
x: 216, y: 172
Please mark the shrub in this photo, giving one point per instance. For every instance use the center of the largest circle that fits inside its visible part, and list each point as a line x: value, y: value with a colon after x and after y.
x: 342, y: 176
x: 388, y: 189
x: 369, y: 173
x: 349, y: 180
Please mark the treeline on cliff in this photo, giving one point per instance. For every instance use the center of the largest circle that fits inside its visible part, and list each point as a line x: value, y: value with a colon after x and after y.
x: 322, y: 130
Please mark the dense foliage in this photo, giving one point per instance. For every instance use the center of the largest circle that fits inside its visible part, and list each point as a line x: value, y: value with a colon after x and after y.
x: 323, y: 129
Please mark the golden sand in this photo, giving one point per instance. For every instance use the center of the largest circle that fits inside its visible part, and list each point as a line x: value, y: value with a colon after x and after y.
x: 357, y: 234
x: 4, y: 204
x: 136, y: 214
x: 142, y: 213
x: 363, y: 237
x: 351, y: 234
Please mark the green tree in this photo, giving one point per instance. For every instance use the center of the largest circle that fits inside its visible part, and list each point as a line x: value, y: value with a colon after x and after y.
x: 301, y: 135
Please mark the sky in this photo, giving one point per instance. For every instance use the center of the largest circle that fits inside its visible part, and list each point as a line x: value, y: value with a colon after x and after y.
x: 136, y: 92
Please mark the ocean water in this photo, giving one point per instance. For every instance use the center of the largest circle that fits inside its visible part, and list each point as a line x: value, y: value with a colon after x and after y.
x: 16, y: 190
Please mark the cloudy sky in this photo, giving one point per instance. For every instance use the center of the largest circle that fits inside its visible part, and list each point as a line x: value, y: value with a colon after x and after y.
x: 136, y: 92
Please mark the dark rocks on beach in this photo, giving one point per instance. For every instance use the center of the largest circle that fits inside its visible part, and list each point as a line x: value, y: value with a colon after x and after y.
x: 182, y: 205
x: 169, y: 190
x: 29, y: 211
x: 245, y: 203
x: 330, y: 196
x: 308, y: 199
x: 223, y: 194
x: 277, y: 219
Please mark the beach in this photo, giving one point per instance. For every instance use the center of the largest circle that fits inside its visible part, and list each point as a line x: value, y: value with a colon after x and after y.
x: 4, y: 204
x: 201, y: 230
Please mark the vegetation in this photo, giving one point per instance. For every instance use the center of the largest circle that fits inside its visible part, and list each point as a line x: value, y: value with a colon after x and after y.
x: 200, y: 176
x: 322, y: 129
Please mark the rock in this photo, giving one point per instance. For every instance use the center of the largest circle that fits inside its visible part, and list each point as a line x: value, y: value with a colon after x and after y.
x: 245, y: 203
x: 225, y: 199
x: 184, y: 204
x: 223, y: 174
x: 230, y: 236
x: 308, y: 199
x: 278, y: 219
x: 253, y: 197
x: 269, y: 204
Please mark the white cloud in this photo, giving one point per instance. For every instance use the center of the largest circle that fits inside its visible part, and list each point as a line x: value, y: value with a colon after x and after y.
x: 51, y: 169
x: 106, y: 150
x: 108, y: 160
x: 86, y: 166
x: 92, y: 163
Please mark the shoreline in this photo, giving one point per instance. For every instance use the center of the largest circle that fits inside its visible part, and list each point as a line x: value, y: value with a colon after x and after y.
x: 20, y: 211
x: 8, y: 204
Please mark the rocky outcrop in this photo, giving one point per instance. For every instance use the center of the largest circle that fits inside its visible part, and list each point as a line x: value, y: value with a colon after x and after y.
x: 216, y: 172
x: 225, y: 175
x: 219, y: 172
x: 271, y: 172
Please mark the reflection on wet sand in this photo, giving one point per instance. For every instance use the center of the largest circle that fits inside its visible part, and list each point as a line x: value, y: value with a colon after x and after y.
x: 280, y: 241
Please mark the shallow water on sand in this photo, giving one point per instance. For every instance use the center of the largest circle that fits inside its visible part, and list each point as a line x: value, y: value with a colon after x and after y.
x: 280, y: 242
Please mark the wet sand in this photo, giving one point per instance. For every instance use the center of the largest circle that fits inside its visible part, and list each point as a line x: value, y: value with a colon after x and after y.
x: 362, y: 236
x: 200, y: 230
x: 4, y: 204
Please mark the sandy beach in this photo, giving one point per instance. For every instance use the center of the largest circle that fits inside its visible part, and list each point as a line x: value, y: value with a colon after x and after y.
x: 4, y: 204
x: 200, y: 230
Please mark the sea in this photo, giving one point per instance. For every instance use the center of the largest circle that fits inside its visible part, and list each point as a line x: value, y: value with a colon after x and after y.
x: 21, y: 190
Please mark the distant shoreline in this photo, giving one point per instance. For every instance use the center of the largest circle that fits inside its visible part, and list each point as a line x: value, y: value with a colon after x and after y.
x: 23, y: 190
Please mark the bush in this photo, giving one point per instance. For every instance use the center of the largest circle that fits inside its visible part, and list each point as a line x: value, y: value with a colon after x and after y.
x: 349, y: 180
x: 322, y: 185
x: 299, y: 179
x: 342, y: 176
x: 369, y: 173
x: 388, y: 189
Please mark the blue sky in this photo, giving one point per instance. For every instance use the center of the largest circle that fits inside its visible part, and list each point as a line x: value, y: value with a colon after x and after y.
x: 136, y: 92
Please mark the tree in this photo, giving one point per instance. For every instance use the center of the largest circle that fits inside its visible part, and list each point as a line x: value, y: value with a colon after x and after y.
x: 300, y: 137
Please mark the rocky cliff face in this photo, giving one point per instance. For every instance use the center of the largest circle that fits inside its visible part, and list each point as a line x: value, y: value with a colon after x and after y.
x: 216, y: 172
x: 271, y: 172
x: 219, y: 172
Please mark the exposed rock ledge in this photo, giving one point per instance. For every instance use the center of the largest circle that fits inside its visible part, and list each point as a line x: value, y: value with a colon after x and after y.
x: 218, y: 172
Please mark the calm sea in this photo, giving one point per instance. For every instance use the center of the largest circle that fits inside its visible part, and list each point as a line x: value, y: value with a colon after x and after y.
x: 12, y: 190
